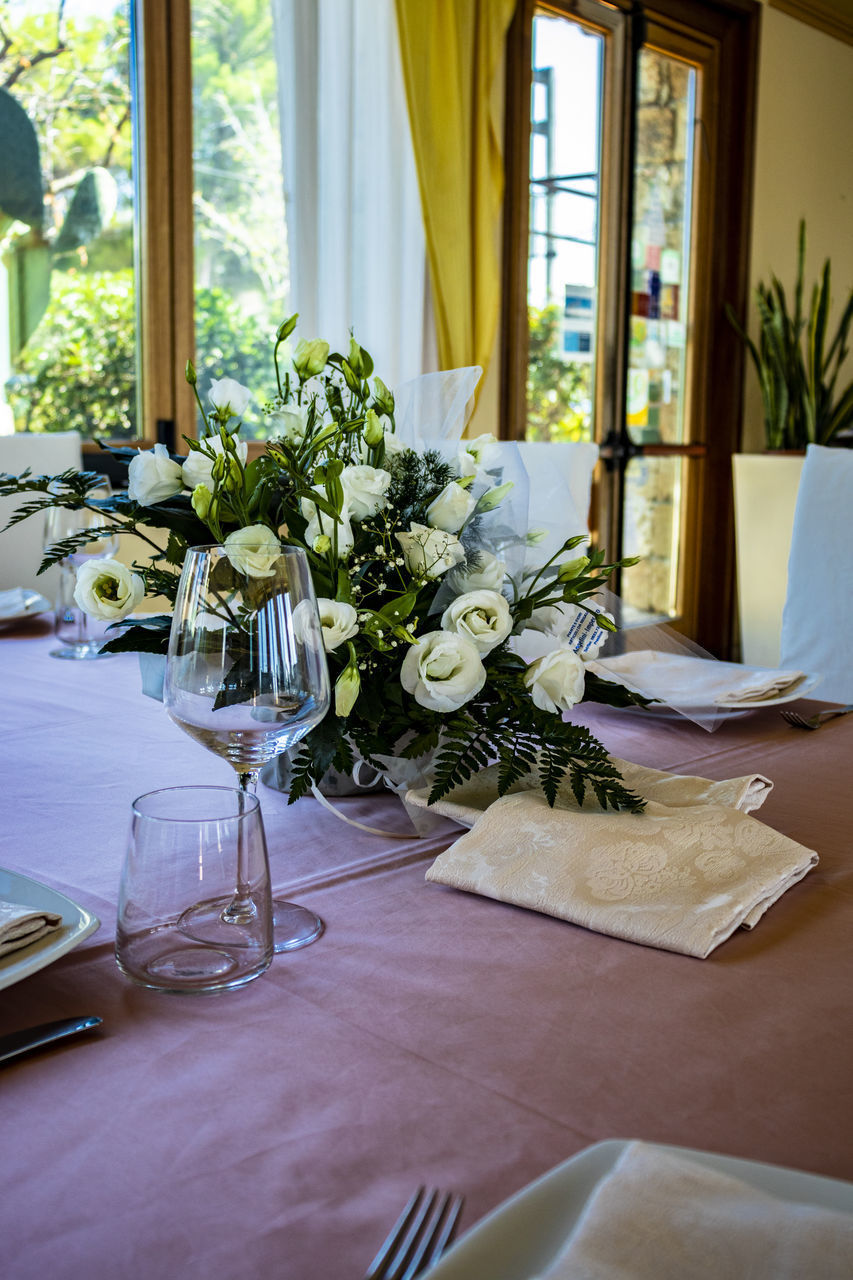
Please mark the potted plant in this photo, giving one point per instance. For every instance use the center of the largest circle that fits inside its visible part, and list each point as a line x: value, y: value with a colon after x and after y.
x: 800, y: 367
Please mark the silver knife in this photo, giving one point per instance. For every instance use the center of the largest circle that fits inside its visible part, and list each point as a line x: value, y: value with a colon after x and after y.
x: 46, y: 1033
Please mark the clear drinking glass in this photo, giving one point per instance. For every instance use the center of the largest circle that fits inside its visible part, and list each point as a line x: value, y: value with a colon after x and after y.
x: 195, y: 905
x: 80, y: 639
x: 246, y: 673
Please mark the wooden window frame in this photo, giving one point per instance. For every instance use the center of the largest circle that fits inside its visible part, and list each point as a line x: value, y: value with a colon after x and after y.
x: 726, y: 31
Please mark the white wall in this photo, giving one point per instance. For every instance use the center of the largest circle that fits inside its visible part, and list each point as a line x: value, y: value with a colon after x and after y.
x: 803, y: 168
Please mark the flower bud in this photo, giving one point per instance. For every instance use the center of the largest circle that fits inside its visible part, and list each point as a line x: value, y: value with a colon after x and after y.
x: 382, y: 397
x: 322, y: 544
x: 493, y: 497
x: 310, y: 357
x: 347, y: 686
x: 220, y: 467
x: 354, y: 358
x: 572, y: 569
x: 189, y: 373
x: 373, y: 430
x: 201, y: 500
x: 285, y: 329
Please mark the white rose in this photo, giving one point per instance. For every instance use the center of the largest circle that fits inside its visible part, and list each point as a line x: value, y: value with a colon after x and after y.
x: 443, y: 671
x: 556, y: 682
x: 488, y: 575
x: 364, y: 490
x: 429, y: 552
x: 229, y: 396
x: 451, y: 508
x: 198, y: 467
x: 253, y: 550
x: 290, y: 421
x: 152, y: 476
x: 107, y: 590
x: 338, y: 620
x: 483, y: 617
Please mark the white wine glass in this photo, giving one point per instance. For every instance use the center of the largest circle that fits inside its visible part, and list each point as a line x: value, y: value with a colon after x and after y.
x: 246, y: 676
x: 71, y: 624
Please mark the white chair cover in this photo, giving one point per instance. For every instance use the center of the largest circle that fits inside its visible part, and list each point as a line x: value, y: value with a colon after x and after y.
x: 21, y: 546
x: 818, y: 616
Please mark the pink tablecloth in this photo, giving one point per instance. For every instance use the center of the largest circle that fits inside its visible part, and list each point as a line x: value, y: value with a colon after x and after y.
x: 429, y: 1036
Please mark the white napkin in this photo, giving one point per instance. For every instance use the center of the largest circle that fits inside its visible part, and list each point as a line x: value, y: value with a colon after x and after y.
x: 20, y: 925
x: 18, y: 600
x: 682, y: 876
x: 680, y: 680
x: 657, y: 1216
x: 468, y: 802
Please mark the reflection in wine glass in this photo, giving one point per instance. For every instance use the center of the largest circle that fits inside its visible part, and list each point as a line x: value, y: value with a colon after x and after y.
x: 71, y: 625
x: 246, y: 675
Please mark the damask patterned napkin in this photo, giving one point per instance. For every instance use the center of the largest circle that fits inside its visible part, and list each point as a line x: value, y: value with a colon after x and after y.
x: 657, y: 1216
x: 20, y: 926
x: 468, y: 802
x: 681, y: 876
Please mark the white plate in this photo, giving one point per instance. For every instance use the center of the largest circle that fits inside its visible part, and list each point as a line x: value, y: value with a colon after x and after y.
x: 526, y: 1233
x: 31, y: 605
x: 77, y: 924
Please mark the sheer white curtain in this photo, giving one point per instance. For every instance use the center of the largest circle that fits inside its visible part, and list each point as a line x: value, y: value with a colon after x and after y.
x: 354, y: 222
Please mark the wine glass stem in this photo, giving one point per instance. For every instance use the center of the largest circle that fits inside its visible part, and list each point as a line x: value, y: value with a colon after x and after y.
x: 241, y: 908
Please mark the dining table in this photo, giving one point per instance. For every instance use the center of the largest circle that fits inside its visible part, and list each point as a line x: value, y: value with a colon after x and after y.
x: 430, y: 1036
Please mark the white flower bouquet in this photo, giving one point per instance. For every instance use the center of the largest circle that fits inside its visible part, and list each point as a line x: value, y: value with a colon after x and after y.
x: 440, y: 636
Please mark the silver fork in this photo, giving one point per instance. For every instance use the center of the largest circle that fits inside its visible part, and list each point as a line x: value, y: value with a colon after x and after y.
x: 419, y: 1236
x: 813, y: 722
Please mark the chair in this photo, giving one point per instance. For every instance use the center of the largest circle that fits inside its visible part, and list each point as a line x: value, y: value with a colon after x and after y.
x: 818, y: 616
x: 21, y: 546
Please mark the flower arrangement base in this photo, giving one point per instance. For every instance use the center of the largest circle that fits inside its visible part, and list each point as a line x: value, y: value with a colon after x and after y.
x: 362, y: 781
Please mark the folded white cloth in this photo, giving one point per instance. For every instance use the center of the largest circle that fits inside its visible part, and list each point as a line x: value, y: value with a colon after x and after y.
x: 468, y: 802
x: 682, y: 876
x: 657, y: 1216
x: 20, y: 925
x: 681, y: 680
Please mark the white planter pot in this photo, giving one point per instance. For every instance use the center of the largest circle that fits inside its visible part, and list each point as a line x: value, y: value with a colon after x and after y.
x: 765, y: 493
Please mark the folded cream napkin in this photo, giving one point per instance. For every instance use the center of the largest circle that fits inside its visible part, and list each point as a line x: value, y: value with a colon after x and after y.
x: 681, y: 680
x: 19, y: 925
x: 657, y: 1216
x: 468, y: 802
x: 681, y: 877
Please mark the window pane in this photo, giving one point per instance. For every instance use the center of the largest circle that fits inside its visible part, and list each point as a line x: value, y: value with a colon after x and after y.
x: 564, y: 220
x: 68, y: 358
x: 240, y: 244
x: 653, y: 505
x: 661, y: 249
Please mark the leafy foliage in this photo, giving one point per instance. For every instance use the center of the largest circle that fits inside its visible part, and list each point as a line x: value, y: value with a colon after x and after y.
x: 558, y: 390
x: 797, y: 363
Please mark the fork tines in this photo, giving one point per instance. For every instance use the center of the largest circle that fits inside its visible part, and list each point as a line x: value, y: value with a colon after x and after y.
x: 419, y: 1236
x: 799, y: 722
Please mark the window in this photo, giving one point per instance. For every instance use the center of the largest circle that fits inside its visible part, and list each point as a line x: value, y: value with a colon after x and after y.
x: 629, y: 168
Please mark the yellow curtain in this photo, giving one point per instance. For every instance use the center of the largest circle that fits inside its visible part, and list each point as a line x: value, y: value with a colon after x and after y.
x: 451, y: 52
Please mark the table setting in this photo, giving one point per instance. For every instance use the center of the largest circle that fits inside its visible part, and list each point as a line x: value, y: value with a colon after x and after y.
x: 552, y: 929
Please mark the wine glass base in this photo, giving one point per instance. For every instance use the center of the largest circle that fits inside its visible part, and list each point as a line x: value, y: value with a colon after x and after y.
x: 80, y: 652
x: 293, y: 926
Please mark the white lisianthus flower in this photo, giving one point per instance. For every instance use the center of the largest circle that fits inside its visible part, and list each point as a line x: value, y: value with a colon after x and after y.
x: 253, y: 550
x: 429, y: 552
x: 488, y: 575
x: 152, y: 476
x: 229, y: 396
x: 556, y: 681
x: 484, y: 449
x: 198, y: 467
x: 107, y: 590
x: 365, y: 490
x: 443, y: 671
x: 451, y: 508
x: 289, y: 422
x: 338, y: 620
x: 483, y: 617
